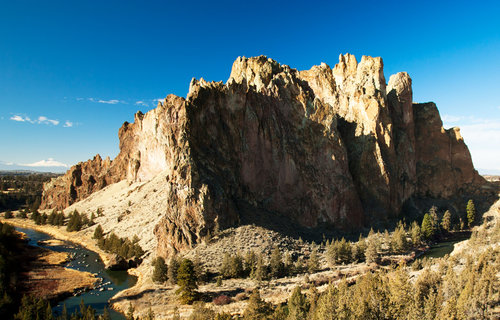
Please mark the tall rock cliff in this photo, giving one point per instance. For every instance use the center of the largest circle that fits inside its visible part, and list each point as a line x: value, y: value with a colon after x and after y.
x: 336, y: 147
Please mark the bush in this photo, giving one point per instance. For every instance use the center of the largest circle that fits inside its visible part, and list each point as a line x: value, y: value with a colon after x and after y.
x: 22, y: 215
x: 160, y: 270
x: 221, y: 300
x: 8, y: 214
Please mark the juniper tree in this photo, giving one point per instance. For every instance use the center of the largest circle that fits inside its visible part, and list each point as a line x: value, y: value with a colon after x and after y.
x: 297, y: 305
x: 160, y: 270
x: 257, y: 309
x: 427, y: 227
x: 276, y: 265
x: 98, y: 232
x: 416, y: 234
x: 471, y: 213
x: 446, y: 222
x: 186, y: 279
x: 313, y: 262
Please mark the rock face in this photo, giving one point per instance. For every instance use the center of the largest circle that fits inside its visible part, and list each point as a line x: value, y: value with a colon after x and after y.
x: 336, y: 147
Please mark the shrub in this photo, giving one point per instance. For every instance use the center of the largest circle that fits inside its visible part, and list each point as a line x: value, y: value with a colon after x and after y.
x: 221, y: 300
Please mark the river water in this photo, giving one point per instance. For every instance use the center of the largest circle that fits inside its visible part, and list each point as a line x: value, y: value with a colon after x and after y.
x: 86, y: 260
x: 441, y: 249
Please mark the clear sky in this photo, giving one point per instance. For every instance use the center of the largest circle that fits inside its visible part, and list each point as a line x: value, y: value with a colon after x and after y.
x: 71, y: 72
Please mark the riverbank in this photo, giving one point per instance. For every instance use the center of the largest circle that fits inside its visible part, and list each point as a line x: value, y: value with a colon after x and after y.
x: 61, y: 234
x: 45, y: 277
x: 83, y: 239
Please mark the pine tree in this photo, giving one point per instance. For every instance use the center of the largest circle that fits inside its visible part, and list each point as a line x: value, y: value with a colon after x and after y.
x: 186, y: 279
x: 416, y: 234
x: 434, y: 219
x: 276, y: 265
x: 297, y: 305
x: 358, y: 249
x: 160, y: 270
x: 371, y: 253
x: 399, y: 242
x: 256, y: 309
x: 173, y: 267
x: 98, y: 232
x: 225, y: 269
x: 345, y: 251
x: 427, y: 227
x: 250, y: 263
x: 446, y: 222
x: 471, y: 213
x: 260, y: 269
x: 313, y: 262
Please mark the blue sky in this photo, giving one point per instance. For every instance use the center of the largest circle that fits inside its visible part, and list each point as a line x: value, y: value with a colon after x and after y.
x: 71, y: 72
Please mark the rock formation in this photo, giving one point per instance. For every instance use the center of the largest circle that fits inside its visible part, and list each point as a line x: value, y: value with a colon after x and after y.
x: 336, y: 147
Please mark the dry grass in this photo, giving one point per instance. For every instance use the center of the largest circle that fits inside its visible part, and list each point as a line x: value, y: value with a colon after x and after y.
x: 48, y: 279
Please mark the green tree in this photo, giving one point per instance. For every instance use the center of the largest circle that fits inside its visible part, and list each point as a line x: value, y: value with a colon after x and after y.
x: 358, y: 249
x: 371, y: 253
x: 297, y: 305
x: 160, y: 270
x: 416, y: 234
x: 250, y: 263
x: 173, y: 267
x: 75, y: 222
x: 256, y: 309
x: 276, y: 265
x: 399, y: 242
x: 427, y: 227
x: 471, y: 213
x: 201, y: 312
x: 98, y: 232
x: 186, y: 279
x: 261, y: 271
x: 232, y: 266
x: 313, y: 262
x: 446, y: 222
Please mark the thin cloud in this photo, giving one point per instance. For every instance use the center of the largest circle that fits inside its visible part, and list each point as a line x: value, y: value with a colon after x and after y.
x: 141, y: 103
x: 20, y: 118
x: 111, y: 101
x: 50, y: 162
x: 450, y: 118
x: 40, y: 120
x: 45, y: 120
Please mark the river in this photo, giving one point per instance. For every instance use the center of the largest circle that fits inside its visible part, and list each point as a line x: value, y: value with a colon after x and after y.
x: 86, y: 260
x: 441, y: 249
